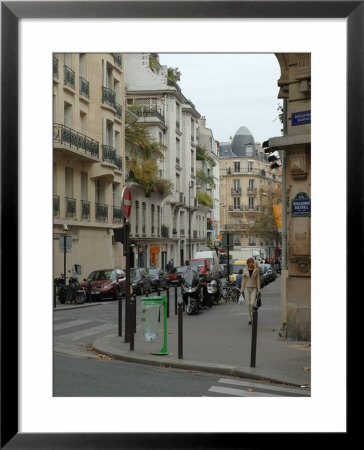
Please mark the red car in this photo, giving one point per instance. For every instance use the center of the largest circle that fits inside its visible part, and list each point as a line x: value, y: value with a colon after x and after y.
x: 175, y: 274
x: 203, y: 264
x: 106, y: 284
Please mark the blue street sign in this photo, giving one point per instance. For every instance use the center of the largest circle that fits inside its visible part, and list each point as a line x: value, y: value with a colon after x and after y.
x: 301, y: 118
x: 301, y: 205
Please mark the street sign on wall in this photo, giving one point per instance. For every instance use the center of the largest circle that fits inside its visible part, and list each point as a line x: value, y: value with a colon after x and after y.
x: 301, y: 205
x: 126, y: 201
x: 65, y: 244
x: 300, y: 118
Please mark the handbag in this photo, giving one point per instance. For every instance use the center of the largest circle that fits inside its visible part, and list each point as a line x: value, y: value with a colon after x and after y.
x: 259, y: 300
x: 241, y: 299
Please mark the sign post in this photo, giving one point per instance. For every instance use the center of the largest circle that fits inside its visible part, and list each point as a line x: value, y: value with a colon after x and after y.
x: 65, y: 246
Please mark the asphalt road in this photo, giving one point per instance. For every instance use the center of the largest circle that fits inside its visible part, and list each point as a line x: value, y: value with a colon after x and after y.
x: 82, y: 377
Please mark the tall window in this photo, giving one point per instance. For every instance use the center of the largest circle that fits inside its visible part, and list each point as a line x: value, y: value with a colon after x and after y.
x: 68, y: 118
x: 177, y: 183
x: 178, y: 150
x: 249, y: 150
x: 144, y: 210
x: 83, y: 72
x: 69, y: 182
x: 237, y: 166
x: 236, y: 185
x: 236, y: 203
x: 251, y: 203
x: 251, y: 185
x: 152, y: 218
x: 250, y: 166
x: 84, y: 181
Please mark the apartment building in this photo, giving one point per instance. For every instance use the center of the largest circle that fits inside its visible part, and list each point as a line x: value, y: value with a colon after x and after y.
x: 248, y: 189
x: 88, y: 159
x: 208, y: 169
x: 164, y: 224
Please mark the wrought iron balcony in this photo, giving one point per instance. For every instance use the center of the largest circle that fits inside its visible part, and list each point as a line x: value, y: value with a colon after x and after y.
x: 101, y: 212
x: 56, y: 205
x: 251, y: 191
x: 69, y: 77
x: 117, y: 213
x: 85, y: 209
x: 55, y: 67
x: 235, y: 208
x: 84, y: 88
x: 117, y: 60
x: 108, y: 154
x: 118, y: 162
x: 108, y: 97
x: 118, y: 110
x: 236, y: 190
x: 149, y: 111
x: 70, y: 207
x: 66, y: 136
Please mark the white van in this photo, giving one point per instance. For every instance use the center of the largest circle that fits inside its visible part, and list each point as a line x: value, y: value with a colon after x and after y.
x: 210, y: 255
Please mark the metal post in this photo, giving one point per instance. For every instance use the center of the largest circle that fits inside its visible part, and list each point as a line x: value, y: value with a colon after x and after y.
x: 175, y: 300
x: 254, y: 336
x: 54, y: 295
x: 180, y: 331
x: 64, y: 259
x: 131, y: 322
x: 127, y: 283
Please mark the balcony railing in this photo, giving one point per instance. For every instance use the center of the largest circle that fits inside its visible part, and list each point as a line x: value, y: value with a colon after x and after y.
x: 118, y: 162
x: 108, y: 154
x: 56, y: 205
x: 235, y: 208
x: 117, y: 213
x: 70, y: 207
x: 84, y: 88
x: 118, y: 110
x: 55, y: 67
x: 85, y: 209
x: 236, y: 190
x: 66, y: 136
x: 147, y: 111
x: 69, y: 77
x: 101, y: 212
x: 251, y: 191
x: 108, y: 97
x: 117, y: 57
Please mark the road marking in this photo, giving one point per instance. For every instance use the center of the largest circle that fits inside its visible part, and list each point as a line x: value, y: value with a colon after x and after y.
x: 239, y: 392
x: 73, y: 323
x: 264, y: 386
x: 90, y: 331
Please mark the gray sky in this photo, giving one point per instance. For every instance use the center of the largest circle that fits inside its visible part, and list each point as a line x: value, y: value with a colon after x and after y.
x: 231, y: 90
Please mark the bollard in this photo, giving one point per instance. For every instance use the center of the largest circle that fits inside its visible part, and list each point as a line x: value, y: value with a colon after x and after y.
x: 180, y: 330
x: 254, y: 336
x: 175, y: 300
x: 89, y: 296
x: 134, y: 312
x: 131, y: 322
x: 120, y: 307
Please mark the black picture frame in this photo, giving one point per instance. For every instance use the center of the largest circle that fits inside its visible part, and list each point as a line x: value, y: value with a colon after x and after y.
x: 11, y: 12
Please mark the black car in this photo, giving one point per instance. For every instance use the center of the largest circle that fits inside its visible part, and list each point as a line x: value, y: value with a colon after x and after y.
x: 140, y: 281
x: 158, y: 278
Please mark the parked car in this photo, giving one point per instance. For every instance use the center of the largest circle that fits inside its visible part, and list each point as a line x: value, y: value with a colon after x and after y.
x: 105, y: 284
x: 271, y: 273
x: 203, y: 264
x: 174, y: 275
x: 235, y: 267
x: 158, y: 278
x: 140, y: 280
x: 263, y: 275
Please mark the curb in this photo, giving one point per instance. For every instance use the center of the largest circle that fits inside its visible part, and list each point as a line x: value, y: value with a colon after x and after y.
x: 242, y: 372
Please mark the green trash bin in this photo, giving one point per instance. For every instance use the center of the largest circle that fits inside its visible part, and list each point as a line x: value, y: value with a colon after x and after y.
x: 150, y: 311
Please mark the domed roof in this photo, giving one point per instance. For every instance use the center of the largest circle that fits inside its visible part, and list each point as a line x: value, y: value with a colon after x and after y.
x: 243, y: 138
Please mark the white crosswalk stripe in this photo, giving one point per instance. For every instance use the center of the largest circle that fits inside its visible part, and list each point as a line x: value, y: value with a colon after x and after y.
x: 244, y: 388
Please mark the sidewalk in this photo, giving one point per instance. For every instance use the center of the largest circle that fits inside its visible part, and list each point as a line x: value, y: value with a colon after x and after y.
x: 218, y: 340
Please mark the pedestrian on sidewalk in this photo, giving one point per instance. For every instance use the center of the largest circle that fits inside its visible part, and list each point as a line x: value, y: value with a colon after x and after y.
x: 239, y: 277
x: 250, y: 286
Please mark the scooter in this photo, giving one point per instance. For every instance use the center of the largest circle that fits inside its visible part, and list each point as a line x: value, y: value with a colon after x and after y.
x: 58, y: 283
x: 72, y: 293
x: 191, y: 292
x: 213, y: 293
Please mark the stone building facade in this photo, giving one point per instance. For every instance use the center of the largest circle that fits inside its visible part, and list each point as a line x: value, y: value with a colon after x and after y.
x: 295, y: 89
x: 88, y: 158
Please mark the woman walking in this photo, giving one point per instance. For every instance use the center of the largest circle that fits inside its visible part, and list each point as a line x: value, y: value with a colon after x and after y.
x: 250, y: 286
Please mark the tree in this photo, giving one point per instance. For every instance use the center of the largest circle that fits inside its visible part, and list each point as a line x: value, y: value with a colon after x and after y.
x: 265, y: 227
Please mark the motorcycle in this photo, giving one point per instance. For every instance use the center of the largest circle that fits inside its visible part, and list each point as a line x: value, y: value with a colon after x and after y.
x: 58, y: 283
x: 191, y: 292
x: 72, y: 293
x: 213, y: 292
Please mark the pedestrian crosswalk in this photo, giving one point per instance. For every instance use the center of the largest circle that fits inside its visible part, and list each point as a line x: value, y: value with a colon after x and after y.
x: 78, y: 329
x: 241, y: 388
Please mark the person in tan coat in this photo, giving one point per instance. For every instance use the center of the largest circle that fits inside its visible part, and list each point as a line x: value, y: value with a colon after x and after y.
x: 250, y: 286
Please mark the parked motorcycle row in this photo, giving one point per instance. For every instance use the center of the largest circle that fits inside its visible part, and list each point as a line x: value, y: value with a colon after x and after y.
x: 69, y: 293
